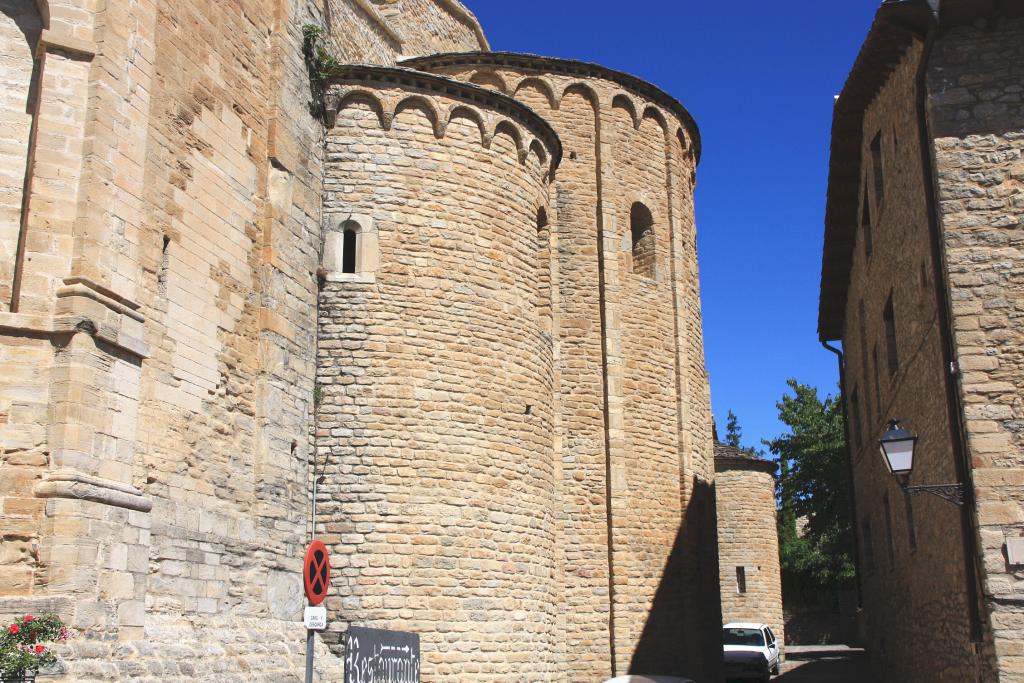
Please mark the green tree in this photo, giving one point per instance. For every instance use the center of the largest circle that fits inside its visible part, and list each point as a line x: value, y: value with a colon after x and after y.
x: 733, y: 431
x: 813, y: 486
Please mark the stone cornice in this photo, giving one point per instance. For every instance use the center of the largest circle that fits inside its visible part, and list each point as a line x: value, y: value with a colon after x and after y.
x: 728, y: 463
x: 372, y: 76
x: 569, y: 67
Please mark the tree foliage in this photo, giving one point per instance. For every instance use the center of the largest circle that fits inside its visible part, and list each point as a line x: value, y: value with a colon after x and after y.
x: 814, y: 488
x: 733, y: 432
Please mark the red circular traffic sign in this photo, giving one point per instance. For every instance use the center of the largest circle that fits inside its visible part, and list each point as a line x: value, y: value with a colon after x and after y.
x: 316, y: 572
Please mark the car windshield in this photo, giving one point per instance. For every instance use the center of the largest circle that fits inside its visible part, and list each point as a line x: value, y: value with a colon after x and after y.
x: 743, y: 636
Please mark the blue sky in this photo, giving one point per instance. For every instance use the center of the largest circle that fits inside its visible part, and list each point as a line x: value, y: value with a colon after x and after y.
x: 759, y: 77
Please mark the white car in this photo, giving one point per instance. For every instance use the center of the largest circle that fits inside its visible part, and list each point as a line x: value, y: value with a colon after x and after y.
x: 751, y: 651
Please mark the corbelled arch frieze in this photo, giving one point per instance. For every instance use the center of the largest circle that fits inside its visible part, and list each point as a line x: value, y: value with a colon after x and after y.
x: 389, y: 91
x: 511, y: 72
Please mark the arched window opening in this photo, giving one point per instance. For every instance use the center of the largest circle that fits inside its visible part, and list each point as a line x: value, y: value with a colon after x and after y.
x: 349, y: 247
x: 641, y: 227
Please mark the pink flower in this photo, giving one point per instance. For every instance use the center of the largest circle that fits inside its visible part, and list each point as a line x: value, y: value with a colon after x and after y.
x: 28, y: 617
x: 14, y: 628
x: 40, y: 649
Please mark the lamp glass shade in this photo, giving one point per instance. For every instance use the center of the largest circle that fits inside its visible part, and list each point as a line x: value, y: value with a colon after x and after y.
x: 897, y: 446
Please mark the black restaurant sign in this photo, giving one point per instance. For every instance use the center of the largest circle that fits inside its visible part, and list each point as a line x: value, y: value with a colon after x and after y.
x: 376, y: 656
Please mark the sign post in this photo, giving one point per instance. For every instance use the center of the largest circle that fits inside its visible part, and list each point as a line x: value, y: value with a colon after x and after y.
x: 316, y: 578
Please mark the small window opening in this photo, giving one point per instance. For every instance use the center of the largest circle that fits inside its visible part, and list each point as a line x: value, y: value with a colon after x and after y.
x: 641, y: 227
x: 865, y: 222
x: 348, y: 250
x: 877, y: 168
x: 741, y: 580
x: 878, y: 377
x: 892, y: 351
x: 862, y: 323
x: 161, y: 275
x: 855, y: 421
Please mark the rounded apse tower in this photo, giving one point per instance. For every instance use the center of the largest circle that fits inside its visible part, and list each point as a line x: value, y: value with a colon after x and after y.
x: 435, y: 371
x: 638, y: 575
x: 748, y: 539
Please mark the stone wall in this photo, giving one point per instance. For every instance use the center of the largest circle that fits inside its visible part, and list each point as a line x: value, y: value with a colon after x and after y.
x: 976, y: 115
x: 748, y: 538
x: 632, y: 424
x: 515, y: 424
x: 437, y: 377
x: 20, y: 26
x: 158, y: 376
x: 912, y: 562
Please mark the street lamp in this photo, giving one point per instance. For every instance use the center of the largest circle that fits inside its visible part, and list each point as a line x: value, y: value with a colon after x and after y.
x: 897, y: 446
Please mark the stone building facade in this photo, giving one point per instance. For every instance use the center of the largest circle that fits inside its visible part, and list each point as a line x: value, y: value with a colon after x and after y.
x: 461, y: 286
x: 750, y: 578
x: 921, y: 283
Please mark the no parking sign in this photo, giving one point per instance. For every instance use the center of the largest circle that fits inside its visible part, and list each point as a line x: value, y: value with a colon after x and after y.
x: 316, y: 572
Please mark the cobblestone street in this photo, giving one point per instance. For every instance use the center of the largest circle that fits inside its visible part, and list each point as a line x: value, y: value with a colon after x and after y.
x: 826, y: 664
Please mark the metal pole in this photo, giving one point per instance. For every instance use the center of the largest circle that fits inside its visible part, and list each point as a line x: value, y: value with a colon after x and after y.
x: 310, y: 634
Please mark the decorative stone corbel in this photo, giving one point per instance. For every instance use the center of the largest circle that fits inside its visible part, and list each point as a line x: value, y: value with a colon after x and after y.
x: 65, y: 484
x: 332, y: 100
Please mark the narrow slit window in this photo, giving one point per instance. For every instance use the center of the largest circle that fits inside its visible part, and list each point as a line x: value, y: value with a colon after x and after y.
x: 892, y: 351
x: 865, y: 222
x: 855, y: 421
x: 877, y: 166
x: 741, y: 580
x: 641, y: 227
x: 348, y: 250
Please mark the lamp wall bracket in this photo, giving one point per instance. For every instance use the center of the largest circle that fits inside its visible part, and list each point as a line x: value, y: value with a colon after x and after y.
x: 953, y: 493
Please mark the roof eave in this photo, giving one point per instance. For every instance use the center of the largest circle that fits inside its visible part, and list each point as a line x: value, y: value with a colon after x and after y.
x: 896, y: 26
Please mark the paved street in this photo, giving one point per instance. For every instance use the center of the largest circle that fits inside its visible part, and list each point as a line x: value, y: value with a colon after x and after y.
x: 825, y: 664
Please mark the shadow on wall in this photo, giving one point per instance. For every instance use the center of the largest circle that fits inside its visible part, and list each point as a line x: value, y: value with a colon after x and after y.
x: 683, y: 633
x: 26, y: 17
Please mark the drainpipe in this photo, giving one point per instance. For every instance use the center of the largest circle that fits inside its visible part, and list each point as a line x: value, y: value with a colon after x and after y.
x: 953, y: 400
x: 841, y: 360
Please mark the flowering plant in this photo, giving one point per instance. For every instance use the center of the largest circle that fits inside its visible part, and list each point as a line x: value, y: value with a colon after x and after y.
x: 23, y: 644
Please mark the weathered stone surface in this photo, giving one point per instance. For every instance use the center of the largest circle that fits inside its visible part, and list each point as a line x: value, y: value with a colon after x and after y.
x: 513, y: 415
x: 748, y: 540
x: 914, y: 573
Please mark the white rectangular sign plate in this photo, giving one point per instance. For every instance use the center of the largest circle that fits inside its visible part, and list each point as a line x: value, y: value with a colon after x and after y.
x: 315, y: 618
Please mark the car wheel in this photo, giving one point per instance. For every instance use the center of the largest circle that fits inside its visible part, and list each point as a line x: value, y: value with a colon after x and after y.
x: 775, y: 669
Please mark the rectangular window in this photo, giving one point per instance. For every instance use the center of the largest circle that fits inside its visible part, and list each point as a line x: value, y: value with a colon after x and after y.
x: 865, y: 369
x: 878, y: 378
x: 865, y: 224
x: 855, y: 421
x: 741, y: 579
x: 892, y: 351
x: 908, y: 503
x: 890, y: 544
x: 867, y: 546
x: 878, y: 170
